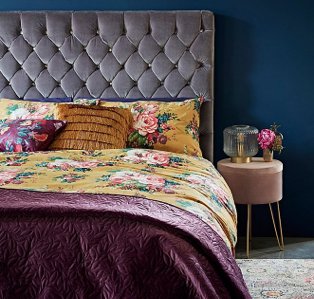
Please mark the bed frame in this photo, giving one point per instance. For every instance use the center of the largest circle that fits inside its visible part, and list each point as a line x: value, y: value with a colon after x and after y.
x: 106, y: 245
x: 110, y: 54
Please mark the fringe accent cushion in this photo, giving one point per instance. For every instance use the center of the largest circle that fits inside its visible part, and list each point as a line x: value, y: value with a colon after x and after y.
x: 92, y: 127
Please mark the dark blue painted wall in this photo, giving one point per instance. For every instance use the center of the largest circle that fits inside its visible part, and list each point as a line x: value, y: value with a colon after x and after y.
x: 264, y: 74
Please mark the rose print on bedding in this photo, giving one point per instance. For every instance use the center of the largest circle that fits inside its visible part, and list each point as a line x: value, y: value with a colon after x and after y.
x: 67, y: 164
x: 29, y: 111
x: 176, y: 179
x: 166, y: 126
x: 7, y: 176
x: 131, y: 180
x: 217, y: 193
x: 153, y: 158
x: 14, y: 176
x: 145, y: 123
x: 149, y: 126
x: 192, y: 129
x: 69, y: 178
x: 15, y: 160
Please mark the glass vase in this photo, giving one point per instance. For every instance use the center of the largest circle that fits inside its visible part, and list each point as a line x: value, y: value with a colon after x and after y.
x: 268, y: 155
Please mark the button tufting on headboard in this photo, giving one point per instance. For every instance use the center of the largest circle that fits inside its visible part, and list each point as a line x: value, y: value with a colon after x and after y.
x: 34, y: 38
x: 145, y: 54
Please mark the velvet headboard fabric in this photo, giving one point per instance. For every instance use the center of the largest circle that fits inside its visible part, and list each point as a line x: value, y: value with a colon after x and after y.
x: 110, y: 54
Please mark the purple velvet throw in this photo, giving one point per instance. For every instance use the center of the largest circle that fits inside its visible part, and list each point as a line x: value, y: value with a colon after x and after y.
x: 57, y: 245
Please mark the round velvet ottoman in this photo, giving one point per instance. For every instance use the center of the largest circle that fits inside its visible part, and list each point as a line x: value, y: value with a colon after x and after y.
x: 253, y: 183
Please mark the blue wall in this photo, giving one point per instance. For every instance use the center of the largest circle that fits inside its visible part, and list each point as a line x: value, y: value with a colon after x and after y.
x: 264, y: 74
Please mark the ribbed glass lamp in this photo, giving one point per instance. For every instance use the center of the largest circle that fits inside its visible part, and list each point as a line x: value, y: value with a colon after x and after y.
x: 240, y: 143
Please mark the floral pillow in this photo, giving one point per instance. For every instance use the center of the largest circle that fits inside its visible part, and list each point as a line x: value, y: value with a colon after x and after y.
x: 166, y: 126
x: 22, y: 109
x: 28, y: 135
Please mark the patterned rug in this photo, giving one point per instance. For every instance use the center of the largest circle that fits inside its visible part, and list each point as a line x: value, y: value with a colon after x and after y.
x: 279, y: 278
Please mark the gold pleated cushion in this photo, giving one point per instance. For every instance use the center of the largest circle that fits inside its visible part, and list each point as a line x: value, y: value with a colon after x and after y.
x: 92, y: 127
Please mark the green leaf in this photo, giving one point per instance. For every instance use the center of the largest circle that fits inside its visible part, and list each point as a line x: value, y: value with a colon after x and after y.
x: 12, y: 108
x: 133, y: 136
x: 141, y: 140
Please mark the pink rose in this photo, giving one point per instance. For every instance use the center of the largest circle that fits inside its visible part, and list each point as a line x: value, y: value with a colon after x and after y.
x: 121, y: 177
x: 117, y: 180
x: 145, y: 123
x: 157, y: 158
x: 65, y: 164
x: 151, y: 180
x: 31, y: 112
x: 151, y: 157
x: 62, y: 164
x: 150, y: 108
x: 136, y: 156
x: 85, y: 164
x: 195, y: 179
x: 266, y: 138
x: 39, y: 113
x: 7, y: 176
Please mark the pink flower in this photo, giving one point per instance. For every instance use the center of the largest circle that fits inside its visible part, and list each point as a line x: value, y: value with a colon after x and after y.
x: 40, y: 112
x: 150, y: 108
x: 151, y: 181
x: 164, y: 126
x: 136, y: 156
x: 145, y: 123
x: 121, y: 177
x: 150, y: 157
x: 266, y: 138
x: 84, y: 164
x: 196, y: 179
x: 8, y: 176
x: 65, y: 164
x: 30, y: 112
x: 157, y: 158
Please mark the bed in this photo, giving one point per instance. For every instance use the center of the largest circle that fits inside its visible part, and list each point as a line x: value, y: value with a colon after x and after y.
x: 70, y: 227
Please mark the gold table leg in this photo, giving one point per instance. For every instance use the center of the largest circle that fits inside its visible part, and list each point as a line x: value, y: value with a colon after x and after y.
x: 280, y: 242
x: 280, y: 227
x: 248, y: 230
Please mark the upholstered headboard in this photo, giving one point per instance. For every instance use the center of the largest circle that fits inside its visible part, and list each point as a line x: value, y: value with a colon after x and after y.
x: 100, y: 54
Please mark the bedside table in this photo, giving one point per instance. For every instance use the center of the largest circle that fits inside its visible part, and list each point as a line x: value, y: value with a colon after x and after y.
x: 254, y: 183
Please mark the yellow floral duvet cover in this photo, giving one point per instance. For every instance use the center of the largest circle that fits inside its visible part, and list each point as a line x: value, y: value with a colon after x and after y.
x: 189, y: 183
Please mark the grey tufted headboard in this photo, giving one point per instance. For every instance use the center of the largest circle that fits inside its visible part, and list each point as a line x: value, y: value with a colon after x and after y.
x: 100, y: 54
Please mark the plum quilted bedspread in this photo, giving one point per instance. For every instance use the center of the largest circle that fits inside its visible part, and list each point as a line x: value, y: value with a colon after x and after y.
x: 115, y: 224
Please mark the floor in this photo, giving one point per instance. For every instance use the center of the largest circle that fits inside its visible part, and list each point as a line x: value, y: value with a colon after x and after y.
x: 267, y: 248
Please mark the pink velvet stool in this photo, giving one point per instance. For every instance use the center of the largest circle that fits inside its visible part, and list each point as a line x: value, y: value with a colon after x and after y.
x: 254, y: 183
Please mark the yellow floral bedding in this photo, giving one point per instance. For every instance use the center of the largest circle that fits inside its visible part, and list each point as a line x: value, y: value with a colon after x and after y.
x: 190, y: 183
